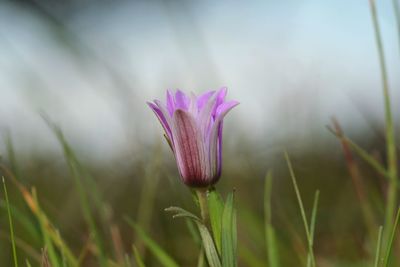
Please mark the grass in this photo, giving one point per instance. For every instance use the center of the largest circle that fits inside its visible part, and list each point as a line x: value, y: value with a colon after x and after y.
x: 248, y: 227
x: 14, y: 250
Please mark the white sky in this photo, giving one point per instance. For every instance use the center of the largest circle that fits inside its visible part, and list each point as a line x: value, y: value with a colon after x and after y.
x: 291, y: 64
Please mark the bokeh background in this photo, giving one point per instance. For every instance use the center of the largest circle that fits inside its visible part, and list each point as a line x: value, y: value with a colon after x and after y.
x: 90, y: 66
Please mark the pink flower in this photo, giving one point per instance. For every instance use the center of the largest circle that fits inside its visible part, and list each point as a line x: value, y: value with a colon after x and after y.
x: 193, y: 127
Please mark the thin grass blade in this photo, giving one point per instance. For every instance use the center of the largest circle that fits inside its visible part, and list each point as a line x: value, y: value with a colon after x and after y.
x: 391, y: 151
x: 215, y: 208
x: 378, y: 247
x: 389, y: 245
x: 302, y: 210
x: 157, y: 251
x: 209, y: 246
x: 270, y: 237
x: 229, y: 242
x: 14, y: 250
x: 138, y: 258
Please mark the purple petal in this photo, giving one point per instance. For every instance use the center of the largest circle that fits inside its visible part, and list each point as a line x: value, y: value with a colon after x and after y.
x: 221, y: 93
x: 202, y: 99
x: 162, y: 118
x: 193, y: 105
x: 225, y: 107
x: 219, y: 149
x: 215, y: 146
x: 170, y: 102
x: 181, y: 100
x: 188, y: 147
x: 205, y: 117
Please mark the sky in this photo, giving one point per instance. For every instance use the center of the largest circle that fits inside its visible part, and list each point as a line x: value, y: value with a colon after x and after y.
x: 92, y: 65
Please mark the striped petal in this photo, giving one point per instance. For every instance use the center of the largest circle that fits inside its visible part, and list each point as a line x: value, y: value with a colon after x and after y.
x: 188, y: 148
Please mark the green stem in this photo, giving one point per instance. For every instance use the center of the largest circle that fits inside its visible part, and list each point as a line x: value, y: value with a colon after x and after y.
x: 390, y: 139
x: 202, y: 197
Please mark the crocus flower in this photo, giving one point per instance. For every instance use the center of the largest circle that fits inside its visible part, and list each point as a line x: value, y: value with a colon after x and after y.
x: 193, y: 128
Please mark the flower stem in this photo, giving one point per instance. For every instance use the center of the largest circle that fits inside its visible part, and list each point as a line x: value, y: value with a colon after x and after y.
x: 202, y: 197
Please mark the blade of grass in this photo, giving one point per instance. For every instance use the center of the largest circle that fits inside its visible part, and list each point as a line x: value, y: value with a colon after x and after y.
x: 312, y: 223
x: 62, y: 251
x: 50, y: 235
x: 216, y: 207
x: 128, y: 262
x: 22, y: 245
x: 190, y: 224
x: 378, y: 247
x: 391, y: 240
x: 228, y: 234
x: 363, y: 154
x: 358, y: 182
x: 396, y: 8
x: 148, y: 194
x: 24, y: 220
x: 14, y: 250
x: 270, y: 238
x: 157, y: 251
x: 11, y: 156
x: 314, y: 215
x: 138, y: 258
x: 44, y: 227
x: 78, y: 175
x: 44, y: 223
x: 390, y: 132
x: 209, y: 246
x: 200, y: 260
x: 302, y: 211
x: 207, y: 241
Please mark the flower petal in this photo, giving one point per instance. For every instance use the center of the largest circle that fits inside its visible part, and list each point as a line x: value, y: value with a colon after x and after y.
x: 215, y: 139
x: 204, y: 120
x: 170, y: 102
x: 181, y: 100
x: 223, y: 108
x: 188, y: 148
x: 162, y: 118
x: 221, y: 93
x: 167, y: 117
x: 203, y: 98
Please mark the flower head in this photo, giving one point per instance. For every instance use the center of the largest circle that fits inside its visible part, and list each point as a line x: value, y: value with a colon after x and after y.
x: 193, y: 128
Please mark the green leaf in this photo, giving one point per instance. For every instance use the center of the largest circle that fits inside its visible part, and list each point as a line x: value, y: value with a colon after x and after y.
x: 157, y: 251
x: 208, y: 243
x: 216, y: 208
x: 209, y: 247
x: 179, y: 212
x: 229, y: 239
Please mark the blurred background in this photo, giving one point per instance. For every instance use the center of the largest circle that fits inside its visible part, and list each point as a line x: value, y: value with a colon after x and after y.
x: 90, y: 66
